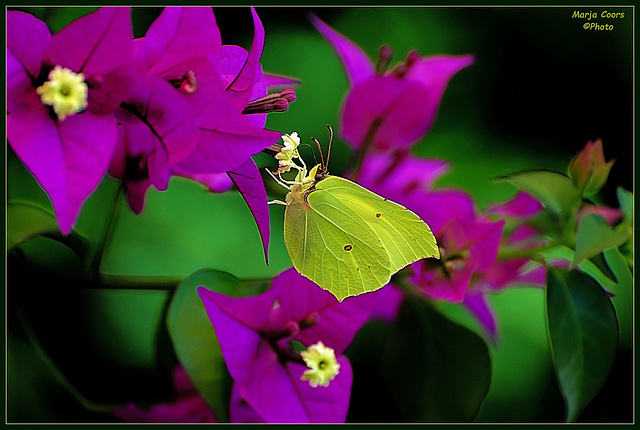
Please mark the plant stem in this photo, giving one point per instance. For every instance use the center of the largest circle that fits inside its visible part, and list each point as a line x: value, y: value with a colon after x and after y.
x: 97, y: 258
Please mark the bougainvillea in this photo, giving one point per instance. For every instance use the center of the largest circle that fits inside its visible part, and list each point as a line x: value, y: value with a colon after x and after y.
x: 258, y: 335
x: 66, y: 145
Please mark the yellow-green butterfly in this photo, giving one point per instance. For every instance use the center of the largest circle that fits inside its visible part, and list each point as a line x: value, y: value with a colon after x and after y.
x: 343, y: 237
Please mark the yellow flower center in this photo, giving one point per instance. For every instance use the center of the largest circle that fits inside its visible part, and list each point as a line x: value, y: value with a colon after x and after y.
x: 322, y: 364
x: 65, y: 91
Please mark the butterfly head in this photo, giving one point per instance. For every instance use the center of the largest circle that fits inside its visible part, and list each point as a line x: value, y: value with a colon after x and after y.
x: 322, y: 169
x: 315, y: 174
x: 320, y: 173
x: 289, y: 152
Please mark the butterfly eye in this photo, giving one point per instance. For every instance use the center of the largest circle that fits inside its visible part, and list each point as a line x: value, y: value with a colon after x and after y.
x: 320, y: 173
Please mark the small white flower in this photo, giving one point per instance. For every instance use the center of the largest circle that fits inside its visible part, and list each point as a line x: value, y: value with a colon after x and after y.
x: 288, y: 152
x: 65, y: 91
x: 322, y: 364
x: 291, y: 141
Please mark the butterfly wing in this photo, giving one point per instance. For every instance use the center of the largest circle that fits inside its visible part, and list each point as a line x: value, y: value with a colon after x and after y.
x: 329, y: 244
x: 405, y: 237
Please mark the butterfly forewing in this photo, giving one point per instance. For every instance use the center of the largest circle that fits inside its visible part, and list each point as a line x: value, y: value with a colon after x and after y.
x: 329, y: 244
x: 405, y: 237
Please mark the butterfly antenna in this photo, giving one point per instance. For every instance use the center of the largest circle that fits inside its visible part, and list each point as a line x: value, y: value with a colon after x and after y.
x: 329, y: 150
x: 324, y: 166
x: 315, y: 160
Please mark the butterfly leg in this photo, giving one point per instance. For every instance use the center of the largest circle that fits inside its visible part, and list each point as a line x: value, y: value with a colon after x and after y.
x: 278, y: 181
x: 277, y: 202
x: 304, y: 173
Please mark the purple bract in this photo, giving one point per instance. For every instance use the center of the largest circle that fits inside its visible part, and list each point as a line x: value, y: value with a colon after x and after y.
x: 389, y: 110
x: 256, y: 335
x: 68, y: 156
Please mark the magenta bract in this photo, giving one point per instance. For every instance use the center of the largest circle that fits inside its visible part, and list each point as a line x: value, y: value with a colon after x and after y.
x: 67, y: 157
x: 392, y: 110
x: 188, y: 407
x: 255, y: 335
x: 398, y: 175
x: 184, y: 112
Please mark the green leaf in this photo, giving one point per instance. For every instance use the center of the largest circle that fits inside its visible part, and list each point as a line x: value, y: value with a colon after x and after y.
x: 28, y: 222
x: 186, y: 228
x: 625, y: 199
x: 444, y: 367
x: 623, y: 299
x: 88, y: 232
x: 619, y: 267
x: 555, y: 190
x: 126, y: 324
x: 584, y: 335
x: 195, y: 341
x: 550, y: 223
x: 595, y: 235
x: 588, y: 267
x: 58, y: 256
x: 22, y: 186
x: 25, y: 221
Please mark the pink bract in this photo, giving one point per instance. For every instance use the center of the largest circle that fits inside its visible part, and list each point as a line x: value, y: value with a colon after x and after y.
x: 67, y: 157
x: 389, y: 111
x: 253, y: 332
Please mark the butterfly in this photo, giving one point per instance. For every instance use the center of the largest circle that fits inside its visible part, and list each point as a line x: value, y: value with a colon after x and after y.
x: 345, y: 238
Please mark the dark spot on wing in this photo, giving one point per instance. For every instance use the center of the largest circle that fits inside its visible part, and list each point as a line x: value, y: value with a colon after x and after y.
x: 378, y: 215
x: 348, y: 247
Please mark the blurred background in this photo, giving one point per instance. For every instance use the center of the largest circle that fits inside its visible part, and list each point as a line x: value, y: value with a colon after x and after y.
x: 541, y: 87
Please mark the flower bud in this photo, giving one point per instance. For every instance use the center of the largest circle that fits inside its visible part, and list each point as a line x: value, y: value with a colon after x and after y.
x: 276, y: 102
x: 289, y: 94
x: 588, y: 170
x: 309, y: 321
x: 400, y: 71
x: 412, y: 57
x: 385, y: 54
x: 189, y: 84
x: 291, y: 328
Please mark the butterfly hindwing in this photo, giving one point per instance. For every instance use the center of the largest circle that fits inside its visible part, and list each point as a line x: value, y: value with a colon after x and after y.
x: 349, y: 240
x: 405, y: 237
x: 329, y: 244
